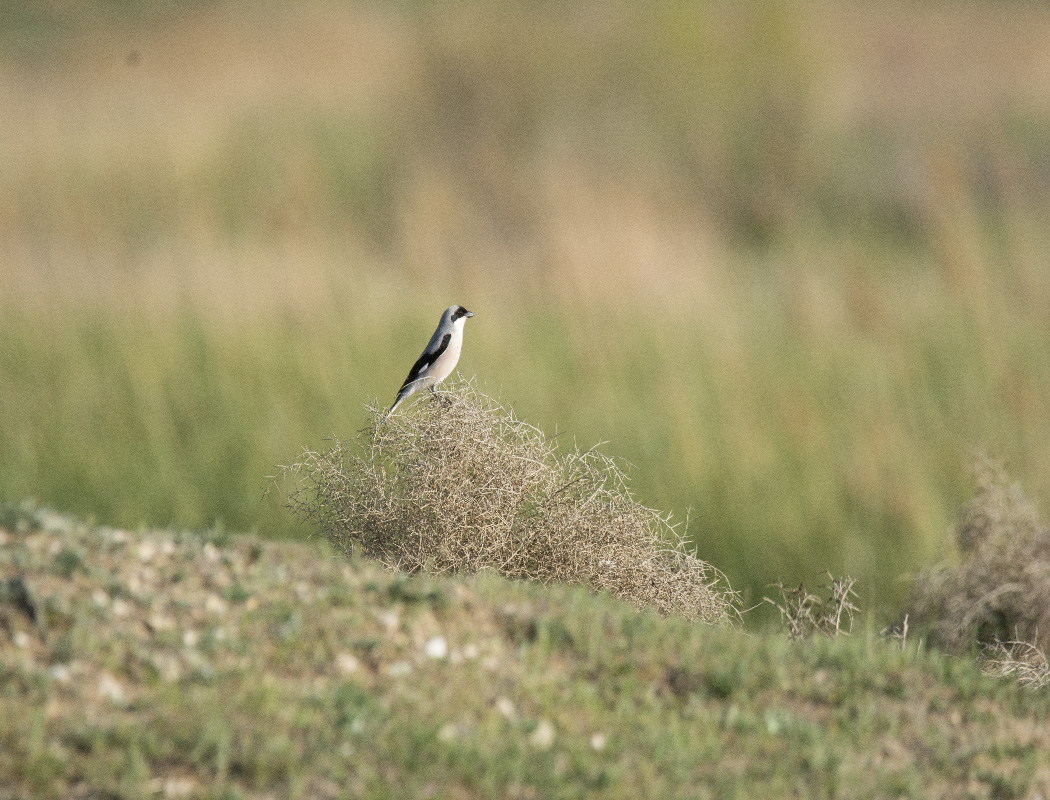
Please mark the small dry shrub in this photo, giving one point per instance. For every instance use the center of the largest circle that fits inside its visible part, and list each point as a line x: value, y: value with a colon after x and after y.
x: 997, y: 588
x: 805, y: 614
x: 1024, y: 662
x: 458, y: 484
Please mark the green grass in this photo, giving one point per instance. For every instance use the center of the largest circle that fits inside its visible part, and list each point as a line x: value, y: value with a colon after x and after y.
x: 793, y: 450
x: 794, y: 307
x: 320, y: 678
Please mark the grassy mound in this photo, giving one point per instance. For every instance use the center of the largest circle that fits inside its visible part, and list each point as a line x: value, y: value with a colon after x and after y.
x: 997, y: 588
x: 173, y: 665
x: 459, y: 485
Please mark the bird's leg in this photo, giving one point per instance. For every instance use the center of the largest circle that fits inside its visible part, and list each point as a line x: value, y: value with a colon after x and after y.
x: 440, y: 398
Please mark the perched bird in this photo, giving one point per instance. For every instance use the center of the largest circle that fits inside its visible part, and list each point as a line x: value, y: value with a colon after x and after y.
x: 439, y: 356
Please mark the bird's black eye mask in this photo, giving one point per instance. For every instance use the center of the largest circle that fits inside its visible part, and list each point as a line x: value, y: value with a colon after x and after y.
x: 459, y: 312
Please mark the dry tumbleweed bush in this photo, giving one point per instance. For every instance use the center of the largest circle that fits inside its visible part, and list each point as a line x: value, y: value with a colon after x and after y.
x: 1024, y: 662
x: 458, y: 484
x: 999, y: 587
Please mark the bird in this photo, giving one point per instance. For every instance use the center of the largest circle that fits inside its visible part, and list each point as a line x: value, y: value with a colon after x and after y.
x: 439, y: 356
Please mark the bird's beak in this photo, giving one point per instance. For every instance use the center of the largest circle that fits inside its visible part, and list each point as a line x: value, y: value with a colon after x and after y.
x: 470, y: 313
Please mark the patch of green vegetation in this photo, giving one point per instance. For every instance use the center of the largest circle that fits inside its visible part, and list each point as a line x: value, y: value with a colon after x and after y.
x: 816, y: 452
x: 21, y: 517
x: 489, y: 688
x: 38, y: 33
x: 256, y: 178
x: 66, y: 562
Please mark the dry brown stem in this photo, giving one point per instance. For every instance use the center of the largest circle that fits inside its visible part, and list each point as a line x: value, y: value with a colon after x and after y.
x: 1022, y: 661
x: 805, y: 614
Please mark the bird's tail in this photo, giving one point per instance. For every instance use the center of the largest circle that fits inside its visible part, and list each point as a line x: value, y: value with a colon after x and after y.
x: 405, y: 392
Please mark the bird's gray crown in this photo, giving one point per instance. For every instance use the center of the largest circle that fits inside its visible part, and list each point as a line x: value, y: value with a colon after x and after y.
x: 459, y: 311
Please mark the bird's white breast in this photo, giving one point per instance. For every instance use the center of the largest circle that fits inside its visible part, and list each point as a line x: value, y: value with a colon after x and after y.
x: 446, y: 362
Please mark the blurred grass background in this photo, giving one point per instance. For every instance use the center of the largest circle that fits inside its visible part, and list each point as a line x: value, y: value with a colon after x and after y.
x: 787, y: 257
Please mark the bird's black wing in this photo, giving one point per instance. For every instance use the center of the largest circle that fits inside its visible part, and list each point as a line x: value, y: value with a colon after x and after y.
x: 426, y: 360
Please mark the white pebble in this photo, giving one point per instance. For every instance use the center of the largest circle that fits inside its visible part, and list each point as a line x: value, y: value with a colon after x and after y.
x: 161, y: 622
x: 347, y: 663
x: 121, y: 607
x: 447, y: 733
x: 60, y: 673
x: 436, y: 647
x: 147, y: 550
x: 179, y: 787
x: 110, y: 688
x: 543, y: 737
x: 506, y: 708
x: 389, y: 619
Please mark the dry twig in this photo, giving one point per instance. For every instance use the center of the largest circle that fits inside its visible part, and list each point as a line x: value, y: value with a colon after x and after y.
x: 1023, y: 661
x: 805, y: 614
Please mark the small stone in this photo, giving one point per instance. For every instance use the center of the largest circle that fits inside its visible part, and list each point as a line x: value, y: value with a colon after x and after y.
x: 389, y: 619
x: 436, y: 647
x: 347, y: 663
x: 506, y: 708
x: 447, y: 733
x: 21, y: 639
x: 121, y: 607
x: 190, y: 638
x: 147, y: 550
x: 60, y: 673
x: 160, y: 622
x: 598, y: 742
x: 543, y: 736
x: 110, y: 688
x: 215, y: 604
x: 178, y: 787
